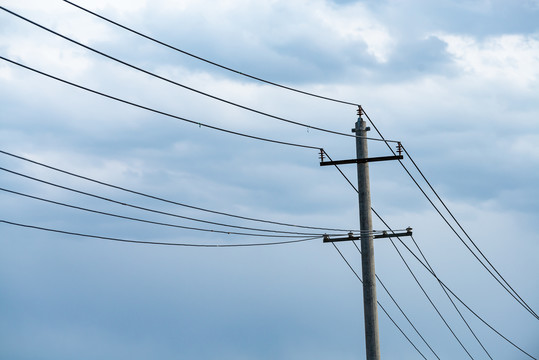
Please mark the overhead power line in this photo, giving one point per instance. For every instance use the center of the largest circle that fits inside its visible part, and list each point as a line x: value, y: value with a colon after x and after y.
x: 154, y: 242
x: 451, y: 300
x: 505, y: 285
x: 436, y: 277
x: 380, y: 305
x: 123, y: 203
x: 400, y: 309
x: 430, y: 300
x: 157, y: 111
x: 169, y: 201
x: 209, y: 61
x: 466, y: 233
x: 451, y: 291
x: 179, y: 84
x: 161, y: 223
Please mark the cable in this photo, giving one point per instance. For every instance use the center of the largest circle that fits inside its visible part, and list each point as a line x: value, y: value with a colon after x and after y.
x: 153, y: 242
x: 440, y: 281
x: 380, y: 305
x: 465, y: 233
x: 400, y: 309
x: 179, y: 84
x: 169, y: 201
x: 454, y: 295
x: 356, y: 190
x: 158, y: 111
x: 451, y: 300
x: 156, y: 222
x: 445, y: 322
x: 513, y: 293
x: 140, y: 207
x: 339, y: 169
x: 428, y: 298
x: 208, y: 61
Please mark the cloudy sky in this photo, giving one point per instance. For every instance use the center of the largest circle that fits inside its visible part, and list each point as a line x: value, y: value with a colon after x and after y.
x: 456, y: 81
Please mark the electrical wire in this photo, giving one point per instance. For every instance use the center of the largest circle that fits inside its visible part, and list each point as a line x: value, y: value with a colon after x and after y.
x: 524, y: 304
x: 179, y: 84
x: 430, y: 300
x: 380, y: 305
x: 451, y: 300
x: 122, y: 203
x: 400, y: 309
x: 170, y: 201
x: 513, y: 292
x: 466, y: 234
x: 452, y: 293
x: 438, y: 279
x: 155, y: 222
x: 506, y: 286
x: 208, y: 61
x: 157, y: 111
x: 154, y: 242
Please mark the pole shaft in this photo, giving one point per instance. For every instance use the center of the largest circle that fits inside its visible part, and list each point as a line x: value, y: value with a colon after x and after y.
x: 372, y: 343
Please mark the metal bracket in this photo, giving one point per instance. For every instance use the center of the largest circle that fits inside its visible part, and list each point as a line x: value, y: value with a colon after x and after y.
x: 383, y: 235
x: 361, y: 161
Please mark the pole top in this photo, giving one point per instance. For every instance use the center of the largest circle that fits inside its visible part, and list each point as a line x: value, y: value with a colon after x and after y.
x: 359, y: 110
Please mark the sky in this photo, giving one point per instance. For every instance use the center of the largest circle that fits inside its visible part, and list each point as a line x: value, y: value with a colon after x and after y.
x: 457, y: 82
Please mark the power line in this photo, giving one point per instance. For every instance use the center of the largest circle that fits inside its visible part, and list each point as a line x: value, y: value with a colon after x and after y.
x: 209, y: 61
x: 445, y: 322
x: 400, y: 309
x: 451, y: 300
x: 452, y: 293
x: 157, y: 222
x: 526, y: 305
x: 154, y: 242
x: 179, y: 84
x: 438, y: 279
x: 122, y: 203
x: 168, y: 201
x: 466, y: 234
x: 157, y: 111
x: 513, y: 293
x: 380, y: 305
x: 429, y: 299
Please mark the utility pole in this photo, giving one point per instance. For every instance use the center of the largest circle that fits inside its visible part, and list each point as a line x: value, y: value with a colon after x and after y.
x: 370, y: 306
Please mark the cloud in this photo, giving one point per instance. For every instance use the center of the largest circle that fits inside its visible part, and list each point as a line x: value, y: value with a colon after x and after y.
x: 509, y: 59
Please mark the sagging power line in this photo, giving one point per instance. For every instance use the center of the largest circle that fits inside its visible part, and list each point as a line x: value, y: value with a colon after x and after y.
x: 210, y: 61
x: 154, y: 242
x: 274, y: 233
x: 168, y: 201
x: 439, y: 199
x: 433, y: 274
x: 503, y: 282
x: 200, y: 124
x: 499, y: 278
x: 228, y: 102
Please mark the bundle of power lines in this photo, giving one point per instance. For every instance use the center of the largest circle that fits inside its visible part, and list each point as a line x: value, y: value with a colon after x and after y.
x: 279, y: 233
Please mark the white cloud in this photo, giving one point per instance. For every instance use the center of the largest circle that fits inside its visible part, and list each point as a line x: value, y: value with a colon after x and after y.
x: 356, y: 24
x: 49, y: 57
x: 511, y: 59
x: 121, y: 6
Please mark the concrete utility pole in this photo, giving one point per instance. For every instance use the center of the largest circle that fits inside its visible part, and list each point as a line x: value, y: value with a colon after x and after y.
x: 367, y: 236
x: 372, y: 342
